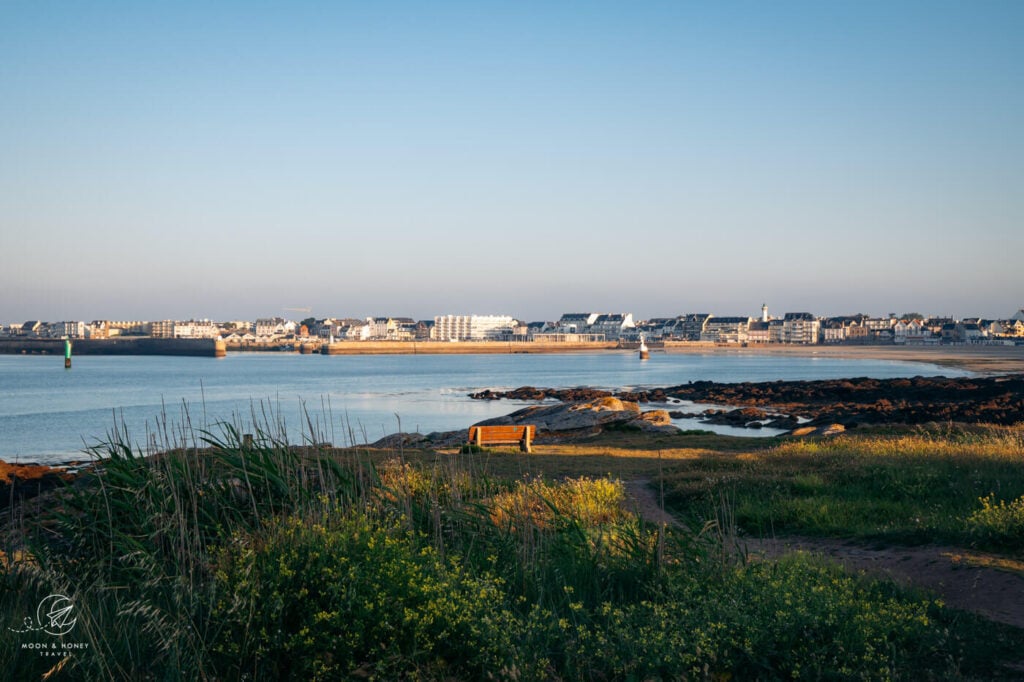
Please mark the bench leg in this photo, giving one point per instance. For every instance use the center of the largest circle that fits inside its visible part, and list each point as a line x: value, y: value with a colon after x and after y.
x: 524, y: 445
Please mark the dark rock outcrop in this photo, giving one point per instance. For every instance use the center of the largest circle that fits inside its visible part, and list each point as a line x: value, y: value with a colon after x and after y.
x: 586, y: 417
x: 656, y: 421
x: 565, y: 395
x: 750, y: 417
x: 435, y: 439
x: 917, y: 400
x: 20, y: 482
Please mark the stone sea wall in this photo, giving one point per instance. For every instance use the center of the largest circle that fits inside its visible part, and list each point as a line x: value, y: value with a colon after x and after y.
x: 120, y: 346
x: 462, y: 347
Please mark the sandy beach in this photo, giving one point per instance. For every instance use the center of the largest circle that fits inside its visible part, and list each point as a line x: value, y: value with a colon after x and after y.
x: 981, y: 359
x: 975, y: 358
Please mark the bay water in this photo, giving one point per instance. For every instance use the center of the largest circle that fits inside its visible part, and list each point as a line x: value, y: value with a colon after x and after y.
x: 49, y: 414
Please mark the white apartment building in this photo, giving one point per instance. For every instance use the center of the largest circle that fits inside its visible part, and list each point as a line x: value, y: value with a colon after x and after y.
x: 879, y: 324
x: 726, y: 330
x: 910, y: 331
x: 72, y: 330
x: 196, y: 329
x: 162, y: 329
x: 758, y: 331
x: 575, y: 323
x: 803, y: 328
x: 834, y: 332
x: 272, y: 327
x: 355, y: 331
x: 389, y: 328
x: 129, y: 327
x: 472, y: 327
x: 377, y: 328
x: 612, y: 326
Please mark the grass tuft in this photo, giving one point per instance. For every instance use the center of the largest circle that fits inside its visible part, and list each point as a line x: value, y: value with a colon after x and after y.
x: 250, y: 559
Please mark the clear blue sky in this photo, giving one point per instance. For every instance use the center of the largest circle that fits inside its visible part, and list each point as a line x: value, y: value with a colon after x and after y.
x: 231, y: 159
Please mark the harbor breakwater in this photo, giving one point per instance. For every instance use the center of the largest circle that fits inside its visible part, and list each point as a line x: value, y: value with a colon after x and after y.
x: 462, y: 347
x: 213, y: 348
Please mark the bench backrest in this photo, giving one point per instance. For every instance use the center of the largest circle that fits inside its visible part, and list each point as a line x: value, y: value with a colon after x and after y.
x: 503, y: 433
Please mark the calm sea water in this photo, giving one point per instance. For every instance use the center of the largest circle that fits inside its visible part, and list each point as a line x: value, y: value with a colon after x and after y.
x: 49, y: 414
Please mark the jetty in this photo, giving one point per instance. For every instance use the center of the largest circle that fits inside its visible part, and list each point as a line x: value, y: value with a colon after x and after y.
x: 143, y: 345
x: 461, y: 347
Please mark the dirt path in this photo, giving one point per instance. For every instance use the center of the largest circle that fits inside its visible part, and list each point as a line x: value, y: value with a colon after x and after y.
x: 963, y: 579
x: 643, y: 500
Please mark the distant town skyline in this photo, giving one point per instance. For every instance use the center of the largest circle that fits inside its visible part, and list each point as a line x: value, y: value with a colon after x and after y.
x: 799, y: 328
x: 231, y: 160
x: 299, y: 314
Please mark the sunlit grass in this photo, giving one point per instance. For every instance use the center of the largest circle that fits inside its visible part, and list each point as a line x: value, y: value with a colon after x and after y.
x: 625, y: 455
x: 977, y: 560
x: 926, y: 486
x: 590, y: 502
x: 263, y: 561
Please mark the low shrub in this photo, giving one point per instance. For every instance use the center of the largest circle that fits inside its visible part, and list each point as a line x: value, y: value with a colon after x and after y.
x: 355, y: 597
x: 249, y: 562
x: 998, y: 522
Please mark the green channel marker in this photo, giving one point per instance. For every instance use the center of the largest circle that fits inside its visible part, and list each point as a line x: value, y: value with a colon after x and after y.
x: 67, y: 353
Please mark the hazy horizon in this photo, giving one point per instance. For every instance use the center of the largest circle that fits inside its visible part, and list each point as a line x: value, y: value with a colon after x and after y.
x: 232, y: 160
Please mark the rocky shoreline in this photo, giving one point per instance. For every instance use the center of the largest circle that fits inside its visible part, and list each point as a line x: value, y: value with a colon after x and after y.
x: 20, y: 482
x: 850, y: 402
x: 799, y: 407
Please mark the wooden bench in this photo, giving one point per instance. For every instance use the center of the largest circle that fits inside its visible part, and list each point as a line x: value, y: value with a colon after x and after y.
x: 494, y: 435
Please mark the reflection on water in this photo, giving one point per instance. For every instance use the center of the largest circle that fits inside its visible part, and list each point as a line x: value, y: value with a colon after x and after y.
x: 49, y: 414
x: 691, y: 408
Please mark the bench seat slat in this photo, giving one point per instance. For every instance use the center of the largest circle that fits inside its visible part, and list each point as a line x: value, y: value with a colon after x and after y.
x: 481, y: 435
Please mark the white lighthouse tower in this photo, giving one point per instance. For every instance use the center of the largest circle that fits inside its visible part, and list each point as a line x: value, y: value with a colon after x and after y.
x: 764, y: 312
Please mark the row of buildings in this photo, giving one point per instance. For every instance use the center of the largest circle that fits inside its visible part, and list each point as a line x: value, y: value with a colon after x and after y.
x: 805, y: 329
x: 791, y: 328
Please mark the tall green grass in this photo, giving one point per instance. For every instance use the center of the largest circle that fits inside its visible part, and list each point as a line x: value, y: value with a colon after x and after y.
x: 135, y: 539
x: 918, y: 487
x: 236, y: 560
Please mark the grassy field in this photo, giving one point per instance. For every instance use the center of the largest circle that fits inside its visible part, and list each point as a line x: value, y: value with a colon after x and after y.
x: 958, y: 486
x: 253, y: 562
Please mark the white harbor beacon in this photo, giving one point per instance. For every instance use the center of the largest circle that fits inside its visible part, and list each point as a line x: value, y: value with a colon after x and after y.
x: 644, y: 353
